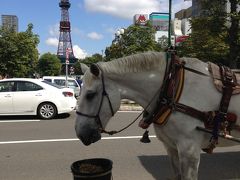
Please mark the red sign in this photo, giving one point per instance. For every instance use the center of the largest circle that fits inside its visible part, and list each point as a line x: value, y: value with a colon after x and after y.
x: 180, y: 39
x: 141, y: 19
x: 67, y: 55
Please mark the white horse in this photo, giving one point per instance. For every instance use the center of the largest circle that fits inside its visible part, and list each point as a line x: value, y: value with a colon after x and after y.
x: 138, y: 77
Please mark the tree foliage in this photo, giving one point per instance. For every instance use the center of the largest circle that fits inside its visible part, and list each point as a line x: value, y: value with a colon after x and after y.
x: 135, y: 39
x: 49, y: 65
x: 18, y: 52
x: 92, y: 59
x: 80, y: 67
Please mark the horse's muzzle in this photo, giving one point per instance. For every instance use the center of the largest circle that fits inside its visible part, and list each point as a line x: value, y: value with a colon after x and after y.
x: 88, y: 137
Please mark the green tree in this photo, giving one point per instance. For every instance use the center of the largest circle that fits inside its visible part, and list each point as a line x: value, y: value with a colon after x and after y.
x: 79, y: 68
x: 49, y: 65
x: 204, y: 43
x: 135, y: 39
x: 18, y: 52
x: 92, y: 59
x: 234, y: 34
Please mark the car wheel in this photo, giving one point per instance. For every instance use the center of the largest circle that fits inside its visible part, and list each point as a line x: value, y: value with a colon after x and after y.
x: 47, y: 111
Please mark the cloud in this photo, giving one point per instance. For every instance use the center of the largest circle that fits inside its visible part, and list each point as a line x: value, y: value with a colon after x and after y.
x: 52, y: 42
x: 124, y: 8
x: 180, y: 4
x: 78, y: 52
x: 54, y: 30
x: 95, y: 36
x: 128, y: 8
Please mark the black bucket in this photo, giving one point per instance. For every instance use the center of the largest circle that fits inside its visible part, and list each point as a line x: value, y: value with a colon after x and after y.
x: 92, y: 169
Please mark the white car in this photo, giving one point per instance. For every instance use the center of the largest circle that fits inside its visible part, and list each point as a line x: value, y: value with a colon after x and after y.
x: 26, y: 96
x: 61, y: 80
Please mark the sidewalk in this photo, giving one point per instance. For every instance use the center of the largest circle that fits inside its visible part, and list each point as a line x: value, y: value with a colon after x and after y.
x: 130, y: 107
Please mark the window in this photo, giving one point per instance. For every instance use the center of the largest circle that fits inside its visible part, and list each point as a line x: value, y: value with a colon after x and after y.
x: 72, y: 83
x: 49, y: 80
x: 60, y: 82
x: 27, y: 86
x: 6, y: 86
x: 51, y: 84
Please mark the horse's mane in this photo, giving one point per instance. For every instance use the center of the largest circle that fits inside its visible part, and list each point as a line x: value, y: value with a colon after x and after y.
x: 135, y: 63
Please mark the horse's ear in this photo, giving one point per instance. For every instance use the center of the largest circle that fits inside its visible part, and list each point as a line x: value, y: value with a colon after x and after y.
x: 84, y: 68
x: 94, y: 69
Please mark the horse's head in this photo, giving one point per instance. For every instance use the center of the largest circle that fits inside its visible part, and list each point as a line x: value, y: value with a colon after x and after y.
x: 98, y: 101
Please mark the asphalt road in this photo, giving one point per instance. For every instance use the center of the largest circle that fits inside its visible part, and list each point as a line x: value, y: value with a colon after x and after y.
x: 33, y: 149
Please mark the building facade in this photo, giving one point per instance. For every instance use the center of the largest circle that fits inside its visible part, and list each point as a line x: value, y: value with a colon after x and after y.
x: 184, y: 13
x: 196, y: 8
x: 10, y: 22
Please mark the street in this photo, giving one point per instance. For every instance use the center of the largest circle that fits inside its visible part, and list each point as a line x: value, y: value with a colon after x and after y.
x: 45, y: 149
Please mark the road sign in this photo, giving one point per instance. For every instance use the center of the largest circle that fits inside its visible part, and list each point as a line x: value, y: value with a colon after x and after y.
x: 67, y: 55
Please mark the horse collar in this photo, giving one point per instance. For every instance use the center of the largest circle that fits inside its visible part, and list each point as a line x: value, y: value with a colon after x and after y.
x: 170, y: 92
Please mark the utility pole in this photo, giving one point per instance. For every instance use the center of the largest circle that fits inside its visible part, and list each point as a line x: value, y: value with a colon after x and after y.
x: 169, y: 23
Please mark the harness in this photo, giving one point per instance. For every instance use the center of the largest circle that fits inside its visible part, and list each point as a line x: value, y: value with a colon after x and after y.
x: 169, y: 95
x: 220, y: 120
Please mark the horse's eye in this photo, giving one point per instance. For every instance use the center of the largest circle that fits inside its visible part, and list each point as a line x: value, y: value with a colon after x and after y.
x: 90, y: 95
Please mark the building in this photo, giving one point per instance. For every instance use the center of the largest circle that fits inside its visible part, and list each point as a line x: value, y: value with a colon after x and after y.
x: 10, y: 22
x: 186, y: 26
x: 184, y: 13
x: 196, y: 8
x: 177, y: 27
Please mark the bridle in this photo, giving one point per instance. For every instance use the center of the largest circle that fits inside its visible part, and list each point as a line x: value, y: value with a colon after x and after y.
x: 97, y: 116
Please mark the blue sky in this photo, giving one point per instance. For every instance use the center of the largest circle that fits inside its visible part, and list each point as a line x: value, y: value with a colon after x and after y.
x: 93, y: 22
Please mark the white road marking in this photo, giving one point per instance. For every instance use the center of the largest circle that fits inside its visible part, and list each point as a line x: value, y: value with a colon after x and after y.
x: 14, y: 121
x: 73, y: 139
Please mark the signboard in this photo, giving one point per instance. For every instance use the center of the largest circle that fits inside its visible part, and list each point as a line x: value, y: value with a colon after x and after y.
x: 180, y: 39
x: 140, y: 19
x: 160, y: 21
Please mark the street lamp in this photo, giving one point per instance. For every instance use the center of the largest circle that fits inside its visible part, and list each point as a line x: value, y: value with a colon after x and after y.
x: 119, y: 34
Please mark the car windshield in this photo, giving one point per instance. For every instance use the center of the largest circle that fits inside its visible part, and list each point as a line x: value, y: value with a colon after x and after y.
x: 51, y: 84
x: 61, y: 82
x: 72, y: 83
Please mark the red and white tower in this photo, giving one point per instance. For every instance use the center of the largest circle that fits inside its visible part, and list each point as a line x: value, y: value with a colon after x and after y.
x: 65, y: 42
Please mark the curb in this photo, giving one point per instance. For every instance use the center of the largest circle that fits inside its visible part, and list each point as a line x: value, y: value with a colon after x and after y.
x: 130, y: 107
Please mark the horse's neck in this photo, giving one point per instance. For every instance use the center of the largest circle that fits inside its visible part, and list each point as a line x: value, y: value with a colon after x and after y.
x: 139, y: 87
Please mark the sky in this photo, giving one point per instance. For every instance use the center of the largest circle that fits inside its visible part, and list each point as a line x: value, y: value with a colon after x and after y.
x: 93, y: 22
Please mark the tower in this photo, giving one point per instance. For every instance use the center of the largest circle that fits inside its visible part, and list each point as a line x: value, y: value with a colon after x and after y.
x: 65, y: 42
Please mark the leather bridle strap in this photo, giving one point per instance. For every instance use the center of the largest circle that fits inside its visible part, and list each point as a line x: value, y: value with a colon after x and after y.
x: 104, y: 94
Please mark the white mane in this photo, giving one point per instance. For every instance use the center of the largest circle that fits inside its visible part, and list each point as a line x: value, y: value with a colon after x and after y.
x: 135, y: 63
